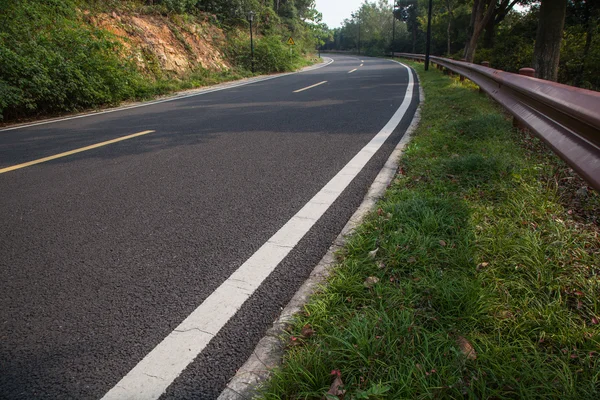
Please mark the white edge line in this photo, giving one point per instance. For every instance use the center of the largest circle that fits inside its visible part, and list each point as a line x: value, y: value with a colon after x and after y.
x: 197, y: 92
x: 268, y: 353
x: 159, y: 368
x: 352, y: 71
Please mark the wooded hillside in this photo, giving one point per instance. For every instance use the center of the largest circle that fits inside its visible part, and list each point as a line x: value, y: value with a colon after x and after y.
x: 68, y: 55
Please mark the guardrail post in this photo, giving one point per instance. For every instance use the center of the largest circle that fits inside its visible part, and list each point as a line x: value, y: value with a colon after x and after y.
x: 462, y: 78
x: 485, y: 64
x: 527, y: 72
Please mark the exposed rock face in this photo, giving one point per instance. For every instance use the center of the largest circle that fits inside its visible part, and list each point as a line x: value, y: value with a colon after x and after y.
x: 166, y: 44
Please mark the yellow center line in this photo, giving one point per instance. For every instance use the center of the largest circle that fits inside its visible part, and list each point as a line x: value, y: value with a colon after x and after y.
x: 309, y: 87
x: 68, y: 153
x: 352, y: 70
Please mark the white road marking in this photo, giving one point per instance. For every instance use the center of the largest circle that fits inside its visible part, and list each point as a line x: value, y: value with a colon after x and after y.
x: 175, y: 97
x: 309, y: 87
x: 154, y: 373
x: 361, y: 65
x: 352, y: 71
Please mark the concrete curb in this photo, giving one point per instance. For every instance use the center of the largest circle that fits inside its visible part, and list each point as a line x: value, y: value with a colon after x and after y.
x: 269, y: 351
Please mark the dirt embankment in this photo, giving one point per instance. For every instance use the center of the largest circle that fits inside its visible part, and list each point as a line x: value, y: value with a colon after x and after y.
x: 166, y: 45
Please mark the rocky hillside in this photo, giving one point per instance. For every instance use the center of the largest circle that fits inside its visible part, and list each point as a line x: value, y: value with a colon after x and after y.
x: 166, y: 45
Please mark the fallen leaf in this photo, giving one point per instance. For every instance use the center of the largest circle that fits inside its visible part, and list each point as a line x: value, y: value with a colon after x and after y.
x: 294, y: 341
x: 370, y: 281
x: 411, y: 260
x: 334, y: 389
x: 482, y: 266
x: 466, y: 348
x: 442, y: 243
x: 379, y: 211
x: 307, y: 331
x: 594, y: 320
x: 381, y: 265
x: 373, y: 253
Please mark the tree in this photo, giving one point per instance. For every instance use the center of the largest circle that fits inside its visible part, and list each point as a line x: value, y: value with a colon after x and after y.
x: 582, y: 15
x: 503, y: 7
x: 481, y: 14
x: 546, y: 54
x: 410, y: 15
x: 450, y: 5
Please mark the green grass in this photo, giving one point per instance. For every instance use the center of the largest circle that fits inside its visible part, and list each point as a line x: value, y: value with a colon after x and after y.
x: 475, y: 245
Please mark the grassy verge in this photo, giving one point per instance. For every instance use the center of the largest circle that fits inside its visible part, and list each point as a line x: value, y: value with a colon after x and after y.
x: 474, y: 278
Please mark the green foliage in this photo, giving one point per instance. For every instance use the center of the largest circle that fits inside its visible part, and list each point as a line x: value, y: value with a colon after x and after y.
x: 508, y: 45
x: 51, y: 61
x: 373, y: 22
x: 271, y: 54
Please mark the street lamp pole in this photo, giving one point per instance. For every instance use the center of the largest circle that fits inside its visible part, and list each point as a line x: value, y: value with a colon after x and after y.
x: 250, y: 19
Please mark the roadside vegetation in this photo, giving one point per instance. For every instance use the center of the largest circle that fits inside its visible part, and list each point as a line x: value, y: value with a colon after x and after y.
x: 55, y: 56
x: 477, y: 276
x: 507, y: 40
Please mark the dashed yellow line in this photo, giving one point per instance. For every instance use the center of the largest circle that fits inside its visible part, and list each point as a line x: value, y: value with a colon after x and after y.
x: 68, y: 153
x: 309, y: 87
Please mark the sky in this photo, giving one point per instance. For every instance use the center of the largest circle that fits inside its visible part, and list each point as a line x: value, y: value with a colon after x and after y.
x: 335, y: 11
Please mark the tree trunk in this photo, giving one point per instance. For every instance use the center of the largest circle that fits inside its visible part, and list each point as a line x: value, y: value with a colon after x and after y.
x: 449, y: 29
x: 448, y: 34
x: 480, y: 16
x: 501, y: 11
x: 414, y: 38
x: 546, y: 54
x: 490, y: 33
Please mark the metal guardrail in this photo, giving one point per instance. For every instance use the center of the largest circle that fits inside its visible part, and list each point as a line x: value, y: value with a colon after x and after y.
x: 566, y: 118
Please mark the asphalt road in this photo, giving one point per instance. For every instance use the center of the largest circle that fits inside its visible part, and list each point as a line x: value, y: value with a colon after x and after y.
x: 103, y: 253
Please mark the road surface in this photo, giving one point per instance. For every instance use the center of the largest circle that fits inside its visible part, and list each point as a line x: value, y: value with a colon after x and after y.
x: 144, y: 252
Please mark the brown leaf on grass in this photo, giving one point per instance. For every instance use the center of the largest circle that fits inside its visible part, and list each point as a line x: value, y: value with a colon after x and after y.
x: 335, y: 388
x: 380, y: 265
x: 411, y: 260
x: 466, y: 348
x: 442, y: 243
x: 307, y: 331
x: 379, y: 211
x: 370, y: 281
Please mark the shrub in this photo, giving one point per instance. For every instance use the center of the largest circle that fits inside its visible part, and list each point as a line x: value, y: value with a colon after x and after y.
x: 51, y: 61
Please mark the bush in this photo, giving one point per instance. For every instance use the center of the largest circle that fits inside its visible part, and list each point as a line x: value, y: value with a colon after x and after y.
x: 51, y: 61
x: 271, y: 54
